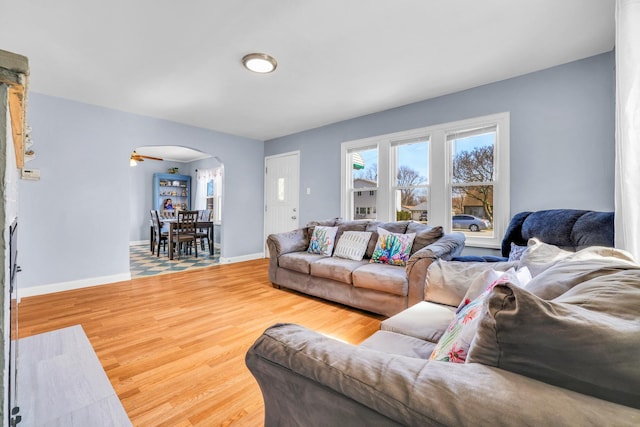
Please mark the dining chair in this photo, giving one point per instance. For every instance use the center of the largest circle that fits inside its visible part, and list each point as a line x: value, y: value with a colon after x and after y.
x: 203, y: 233
x: 186, y: 231
x: 159, y: 237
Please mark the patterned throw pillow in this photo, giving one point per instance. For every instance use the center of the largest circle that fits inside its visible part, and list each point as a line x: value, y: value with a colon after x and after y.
x: 352, y: 245
x: 456, y: 340
x: 322, y: 240
x: 516, y: 252
x: 486, y: 280
x: 392, y: 248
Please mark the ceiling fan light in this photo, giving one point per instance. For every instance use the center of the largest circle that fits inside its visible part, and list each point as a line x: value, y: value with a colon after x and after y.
x: 132, y: 163
x: 259, y: 63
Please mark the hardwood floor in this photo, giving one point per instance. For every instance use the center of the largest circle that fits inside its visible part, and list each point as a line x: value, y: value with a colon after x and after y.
x: 173, y: 345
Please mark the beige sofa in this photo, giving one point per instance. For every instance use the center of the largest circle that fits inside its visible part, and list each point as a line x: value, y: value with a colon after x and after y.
x: 379, y: 288
x: 562, y: 351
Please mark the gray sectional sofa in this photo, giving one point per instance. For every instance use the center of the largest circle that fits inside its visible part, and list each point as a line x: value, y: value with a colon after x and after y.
x: 379, y: 288
x: 560, y: 351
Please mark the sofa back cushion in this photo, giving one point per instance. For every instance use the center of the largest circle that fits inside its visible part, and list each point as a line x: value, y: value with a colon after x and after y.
x: 349, y: 226
x: 425, y: 235
x: 586, y: 340
x: 567, y: 272
x: 448, y: 282
x: 324, y: 223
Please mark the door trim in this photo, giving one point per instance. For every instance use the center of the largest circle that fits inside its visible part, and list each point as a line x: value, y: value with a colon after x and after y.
x: 264, y: 193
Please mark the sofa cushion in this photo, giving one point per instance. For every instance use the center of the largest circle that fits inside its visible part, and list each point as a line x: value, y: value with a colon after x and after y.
x: 298, y: 261
x: 586, y: 340
x: 352, y: 245
x: 381, y: 277
x: 425, y: 235
x: 403, y: 345
x: 322, y: 240
x: 577, y: 268
x: 392, y: 248
x: 539, y: 256
x: 447, y: 282
x: 344, y: 226
x: 325, y: 222
x: 424, y: 320
x: 335, y: 268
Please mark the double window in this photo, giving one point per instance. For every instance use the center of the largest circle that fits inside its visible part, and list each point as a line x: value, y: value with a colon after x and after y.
x: 454, y: 174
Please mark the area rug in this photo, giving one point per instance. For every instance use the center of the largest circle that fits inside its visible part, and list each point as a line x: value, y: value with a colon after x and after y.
x: 60, y: 382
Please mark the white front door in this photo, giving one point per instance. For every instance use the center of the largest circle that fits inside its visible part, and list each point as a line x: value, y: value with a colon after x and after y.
x: 282, y: 189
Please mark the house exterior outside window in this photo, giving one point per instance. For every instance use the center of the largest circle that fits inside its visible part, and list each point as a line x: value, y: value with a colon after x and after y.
x: 364, y: 201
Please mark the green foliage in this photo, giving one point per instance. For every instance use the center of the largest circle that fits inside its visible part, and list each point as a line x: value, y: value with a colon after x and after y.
x: 403, y: 216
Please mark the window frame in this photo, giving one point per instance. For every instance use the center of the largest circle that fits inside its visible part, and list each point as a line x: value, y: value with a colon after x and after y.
x: 395, y: 165
x: 440, y: 179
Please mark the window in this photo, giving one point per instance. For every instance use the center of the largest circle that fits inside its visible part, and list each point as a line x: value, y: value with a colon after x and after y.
x: 472, y: 178
x: 454, y: 174
x: 209, y: 191
x: 363, y: 182
x: 410, y: 172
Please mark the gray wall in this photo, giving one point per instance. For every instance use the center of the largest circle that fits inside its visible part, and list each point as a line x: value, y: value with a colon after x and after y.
x: 76, y: 221
x: 562, y: 138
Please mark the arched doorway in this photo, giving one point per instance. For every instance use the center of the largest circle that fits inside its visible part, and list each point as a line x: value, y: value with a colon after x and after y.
x: 183, y: 161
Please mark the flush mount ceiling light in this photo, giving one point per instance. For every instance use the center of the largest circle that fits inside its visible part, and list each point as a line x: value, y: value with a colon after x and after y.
x: 259, y: 63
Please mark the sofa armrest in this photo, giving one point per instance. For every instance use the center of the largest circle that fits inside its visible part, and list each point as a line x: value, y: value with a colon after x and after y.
x: 309, y: 379
x: 283, y: 243
x: 448, y: 246
x: 291, y: 241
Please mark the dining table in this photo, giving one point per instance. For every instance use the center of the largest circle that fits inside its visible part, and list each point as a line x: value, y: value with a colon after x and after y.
x: 173, y: 222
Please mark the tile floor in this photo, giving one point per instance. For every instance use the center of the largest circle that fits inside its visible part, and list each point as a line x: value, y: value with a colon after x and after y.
x: 144, y: 263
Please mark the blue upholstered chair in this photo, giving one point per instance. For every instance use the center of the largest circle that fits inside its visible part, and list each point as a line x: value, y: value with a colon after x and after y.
x: 569, y: 229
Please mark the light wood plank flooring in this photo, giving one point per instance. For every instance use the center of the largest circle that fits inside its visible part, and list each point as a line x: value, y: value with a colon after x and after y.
x: 173, y: 345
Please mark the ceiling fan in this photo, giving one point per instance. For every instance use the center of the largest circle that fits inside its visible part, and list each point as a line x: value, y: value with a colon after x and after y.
x: 140, y: 157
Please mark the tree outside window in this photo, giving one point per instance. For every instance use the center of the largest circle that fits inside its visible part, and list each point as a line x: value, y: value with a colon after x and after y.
x: 472, y: 169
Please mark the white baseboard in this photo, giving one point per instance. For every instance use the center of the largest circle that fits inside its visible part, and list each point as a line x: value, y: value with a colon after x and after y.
x: 24, y: 292
x: 67, y: 286
x: 139, y: 242
x: 241, y: 258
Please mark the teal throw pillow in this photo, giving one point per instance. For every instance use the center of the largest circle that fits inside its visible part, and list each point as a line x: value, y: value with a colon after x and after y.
x: 322, y: 240
x: 392, y: 248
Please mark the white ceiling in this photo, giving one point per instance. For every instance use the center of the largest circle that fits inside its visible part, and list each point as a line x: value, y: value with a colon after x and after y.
x: 172, y: 153
x: 338, y: 59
